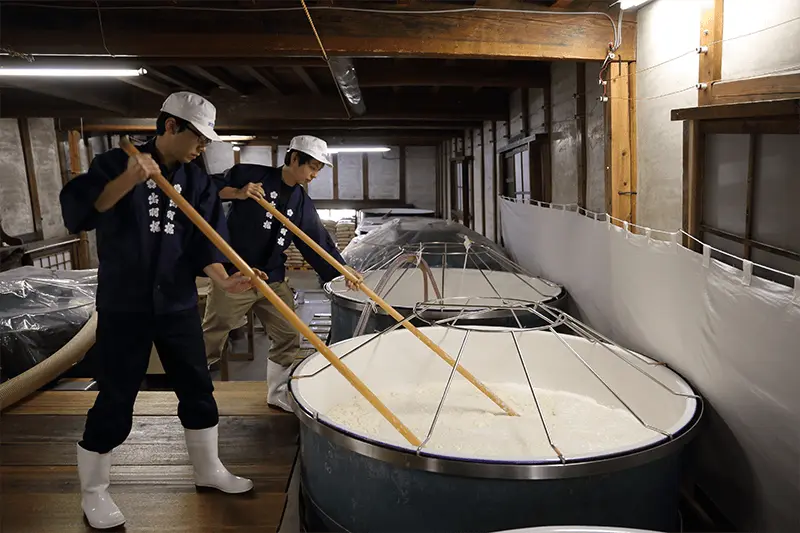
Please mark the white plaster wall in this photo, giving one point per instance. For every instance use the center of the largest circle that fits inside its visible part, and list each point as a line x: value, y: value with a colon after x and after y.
x: 564, y: 146
x: 15, y: 199
x: 766, y: 51
x: 48, y: 175
x: 321, y: 188
x: 257, y: 155
x: 218, y: 157
x: 665, y: 30
x: 351, y: 177
x: 421, y: 176
x: 384, y: 175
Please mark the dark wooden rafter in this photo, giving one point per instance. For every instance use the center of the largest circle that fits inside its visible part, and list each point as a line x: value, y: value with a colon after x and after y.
x: 147, y: 84
x: 181, y: 79
x: 262, y: 79
x: 218, y: 77
x: 30, y: 170
x: 306, y: 79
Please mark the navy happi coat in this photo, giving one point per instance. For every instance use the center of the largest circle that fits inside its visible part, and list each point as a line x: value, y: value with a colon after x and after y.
x: 259, y: 238
x: 150, y: 252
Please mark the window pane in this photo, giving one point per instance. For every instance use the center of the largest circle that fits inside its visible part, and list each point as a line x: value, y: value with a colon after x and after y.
x: 725, y: 182
x: 776, y: 219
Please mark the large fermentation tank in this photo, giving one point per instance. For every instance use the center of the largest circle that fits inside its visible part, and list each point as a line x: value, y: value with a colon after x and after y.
x: 597, y: 442
x: 407, y: 262
x: 371, y: 219
x: 40, y: 311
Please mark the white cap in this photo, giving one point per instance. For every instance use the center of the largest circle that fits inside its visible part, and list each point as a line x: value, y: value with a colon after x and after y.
x: 316, y: 148
x: 194, y: 108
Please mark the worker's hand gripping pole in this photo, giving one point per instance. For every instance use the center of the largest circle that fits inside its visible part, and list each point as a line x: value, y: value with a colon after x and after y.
x: 358, y: 281
x: 273, y: 298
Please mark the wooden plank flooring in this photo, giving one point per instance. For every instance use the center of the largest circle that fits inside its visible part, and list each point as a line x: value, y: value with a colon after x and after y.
x: 151, y: 477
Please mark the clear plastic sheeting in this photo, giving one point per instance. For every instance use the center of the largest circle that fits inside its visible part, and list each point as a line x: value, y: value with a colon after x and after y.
x: 40, y: 311
x: 435, y: 238
x: 733, y: 335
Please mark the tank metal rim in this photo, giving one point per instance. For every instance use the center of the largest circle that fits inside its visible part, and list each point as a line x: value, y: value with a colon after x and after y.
x: 479, y: 468
x: 359, y: 305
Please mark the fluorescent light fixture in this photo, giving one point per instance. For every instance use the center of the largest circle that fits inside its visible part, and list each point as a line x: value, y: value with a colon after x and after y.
x: 72, y: 72
x: 236, y: 138
x: 630, y: 4
x: 358, y: 149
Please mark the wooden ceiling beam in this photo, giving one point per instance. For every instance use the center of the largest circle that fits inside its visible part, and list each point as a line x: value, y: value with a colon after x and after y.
x: 218, y: 77
x: 486, y: 35
x: 303, y: 75
x: 180, y: 79
x: 262, y: 79
x: 147, y: 84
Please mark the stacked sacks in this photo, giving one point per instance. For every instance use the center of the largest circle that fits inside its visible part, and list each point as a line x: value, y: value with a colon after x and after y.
x: 294, y: 260
x: 345, y: 231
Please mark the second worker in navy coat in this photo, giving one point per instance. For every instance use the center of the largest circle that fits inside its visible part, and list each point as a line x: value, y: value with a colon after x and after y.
x: 261, y: 240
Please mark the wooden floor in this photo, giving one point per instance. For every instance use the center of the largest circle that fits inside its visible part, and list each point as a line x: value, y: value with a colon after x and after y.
x: 151, y: 477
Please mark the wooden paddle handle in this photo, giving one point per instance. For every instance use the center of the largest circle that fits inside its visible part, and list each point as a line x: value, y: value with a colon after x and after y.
x: 273, y: 298
x: 382, y: 303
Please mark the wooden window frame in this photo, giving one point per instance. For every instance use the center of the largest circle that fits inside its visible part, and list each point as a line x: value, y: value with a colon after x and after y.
x: 749, y: 118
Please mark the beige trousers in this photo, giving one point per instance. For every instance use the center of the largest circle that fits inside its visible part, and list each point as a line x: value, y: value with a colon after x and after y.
x: 224, y: 312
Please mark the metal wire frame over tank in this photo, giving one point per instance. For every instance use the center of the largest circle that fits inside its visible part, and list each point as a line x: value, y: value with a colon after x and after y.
x: 406, y: 274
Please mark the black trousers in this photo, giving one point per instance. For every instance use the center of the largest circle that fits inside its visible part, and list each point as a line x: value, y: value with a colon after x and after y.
x: 122, y: 352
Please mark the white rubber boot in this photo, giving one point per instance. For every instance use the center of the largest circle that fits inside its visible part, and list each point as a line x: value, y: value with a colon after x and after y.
x: 94, y: 470
x: 278, y: 385
x: 203, y: 448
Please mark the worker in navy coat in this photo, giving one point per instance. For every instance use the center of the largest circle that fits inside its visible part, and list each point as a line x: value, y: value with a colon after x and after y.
x: 262, y: 241
x: 150, y: 254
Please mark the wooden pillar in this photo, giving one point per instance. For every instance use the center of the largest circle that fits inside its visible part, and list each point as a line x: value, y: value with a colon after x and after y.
x: 30, y: 170
x: 365, y: 174
x: 710, y: 64
x: 580, y: 112
x: 403, y: 174
x: 621, y: 156
x: 693, y: 154
x: 74, y: 140
x: 335, y: 161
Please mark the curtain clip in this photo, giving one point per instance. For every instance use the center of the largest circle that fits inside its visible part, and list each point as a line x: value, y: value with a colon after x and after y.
x: 747, y: 272
x: 706, y: 255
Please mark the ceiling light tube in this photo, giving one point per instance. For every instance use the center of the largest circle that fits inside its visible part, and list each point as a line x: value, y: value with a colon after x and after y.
x: 630, y: 4
x: 72, y: 72
x: 235, y: 138
x: 358, y: 149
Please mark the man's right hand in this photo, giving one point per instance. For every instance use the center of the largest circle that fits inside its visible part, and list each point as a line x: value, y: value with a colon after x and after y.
x: 249, y: 190
x: 141, y: 167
